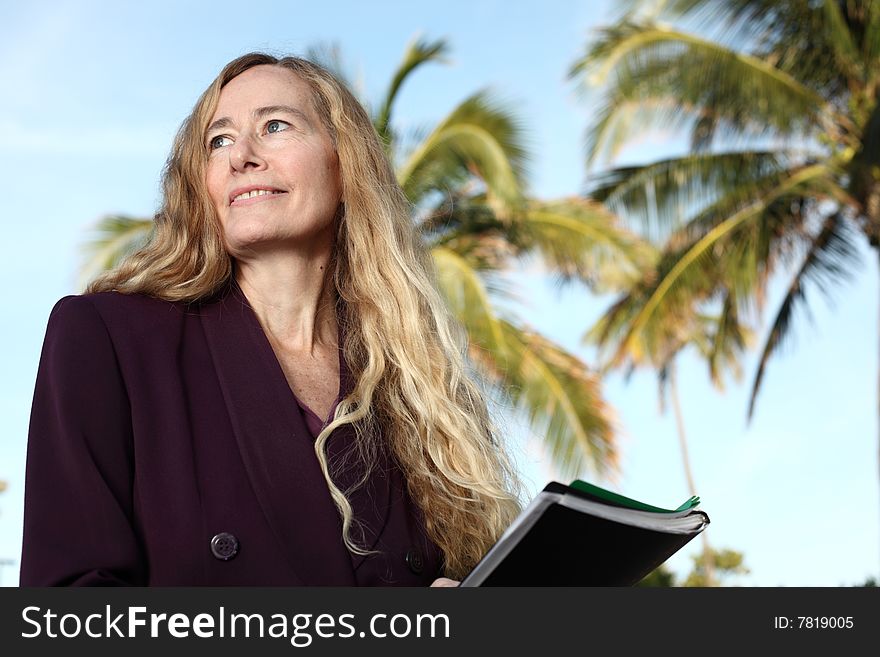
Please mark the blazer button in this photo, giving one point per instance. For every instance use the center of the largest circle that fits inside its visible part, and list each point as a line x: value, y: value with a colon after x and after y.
x: 414, y: 561
x: 224, y: 546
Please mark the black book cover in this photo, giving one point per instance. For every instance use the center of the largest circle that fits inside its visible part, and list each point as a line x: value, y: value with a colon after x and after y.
x: 568, y: 546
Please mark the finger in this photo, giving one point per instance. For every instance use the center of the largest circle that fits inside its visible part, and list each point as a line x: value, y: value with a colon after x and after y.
x: 445, y: 581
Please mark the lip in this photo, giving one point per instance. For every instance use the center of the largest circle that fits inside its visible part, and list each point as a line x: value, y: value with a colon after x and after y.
x: 254, y: 199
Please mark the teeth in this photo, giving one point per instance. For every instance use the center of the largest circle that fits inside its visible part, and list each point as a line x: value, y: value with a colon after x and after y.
x: 255, y: 192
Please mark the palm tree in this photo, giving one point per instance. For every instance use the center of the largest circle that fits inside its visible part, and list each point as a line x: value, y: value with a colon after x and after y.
x: 783, y: 171
x: 720, y: 340
x: 466, y: 180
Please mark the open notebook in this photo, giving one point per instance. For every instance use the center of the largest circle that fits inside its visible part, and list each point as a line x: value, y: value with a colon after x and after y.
x: 584, y: 535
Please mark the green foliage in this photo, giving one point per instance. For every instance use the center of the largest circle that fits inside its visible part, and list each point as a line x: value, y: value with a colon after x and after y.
x: 780, y: 107
x: 727, y: 565
x: 659, y: 577
x: 115, y: 236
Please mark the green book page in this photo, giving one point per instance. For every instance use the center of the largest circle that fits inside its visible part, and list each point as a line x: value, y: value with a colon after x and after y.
x: 628, y: 502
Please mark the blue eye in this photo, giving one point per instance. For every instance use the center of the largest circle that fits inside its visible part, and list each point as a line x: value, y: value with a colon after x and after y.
x: 276, y: 126
x: 218, y: 142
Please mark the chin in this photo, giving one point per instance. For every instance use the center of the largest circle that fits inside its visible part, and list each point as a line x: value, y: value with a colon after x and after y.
x: 247, y: 233
x: 247, y: 239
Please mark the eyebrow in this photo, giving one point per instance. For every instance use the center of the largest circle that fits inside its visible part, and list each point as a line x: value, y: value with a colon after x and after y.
x: 261, y: 113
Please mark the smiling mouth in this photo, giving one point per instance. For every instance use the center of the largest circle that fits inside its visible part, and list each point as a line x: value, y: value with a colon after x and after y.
x: 254, y: 193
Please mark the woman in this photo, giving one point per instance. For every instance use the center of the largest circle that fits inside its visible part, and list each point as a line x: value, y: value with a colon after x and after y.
x: 271, y: 391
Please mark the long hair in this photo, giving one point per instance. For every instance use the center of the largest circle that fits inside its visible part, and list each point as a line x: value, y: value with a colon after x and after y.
x: 404, y: 350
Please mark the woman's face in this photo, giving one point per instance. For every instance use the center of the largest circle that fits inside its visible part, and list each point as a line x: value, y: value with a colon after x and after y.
x: 272, y: 174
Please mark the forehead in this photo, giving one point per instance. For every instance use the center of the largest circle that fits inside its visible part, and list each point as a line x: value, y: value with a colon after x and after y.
x: 263, y: 86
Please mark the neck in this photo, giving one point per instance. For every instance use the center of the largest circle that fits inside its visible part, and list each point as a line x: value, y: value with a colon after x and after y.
x: 292, y: 297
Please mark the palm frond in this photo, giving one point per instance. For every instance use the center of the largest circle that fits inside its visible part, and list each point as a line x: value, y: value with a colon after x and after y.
x: 556, y: 391
x: 827, y: 263
x: 561, y: 398
x: 664, y: 193
x: 481, y: 139
x: 741, y: 264
x: 754, y: 22
x: 576, y: 239
x: 720, y: 338
x: 783, y: 212
x: 466, y: 293
x: 692, y: 78
x: 684, y: 273
x: 871, y: 41
x: 821, y: 43
x: 115, y: 237
x: 728, y: 340
x: 579, y: 239
x: 838, y: 35
x: 418, y: 52
x: 658, y: 341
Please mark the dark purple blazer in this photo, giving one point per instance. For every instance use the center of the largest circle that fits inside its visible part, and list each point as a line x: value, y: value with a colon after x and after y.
x: 167, y: 449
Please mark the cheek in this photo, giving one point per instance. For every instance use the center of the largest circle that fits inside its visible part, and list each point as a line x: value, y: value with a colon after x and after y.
x: 215, y: 186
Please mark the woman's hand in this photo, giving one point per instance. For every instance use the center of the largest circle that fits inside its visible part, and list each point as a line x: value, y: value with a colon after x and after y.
x: 445, y: 581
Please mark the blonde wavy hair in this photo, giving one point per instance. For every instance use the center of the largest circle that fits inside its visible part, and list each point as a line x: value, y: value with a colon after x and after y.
x: 403, y: 348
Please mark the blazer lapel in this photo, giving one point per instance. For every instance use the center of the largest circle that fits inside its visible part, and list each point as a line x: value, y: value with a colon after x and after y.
x: 275, y: 445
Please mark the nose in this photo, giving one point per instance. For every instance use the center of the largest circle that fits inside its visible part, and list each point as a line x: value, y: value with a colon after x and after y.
x: 244, y: 155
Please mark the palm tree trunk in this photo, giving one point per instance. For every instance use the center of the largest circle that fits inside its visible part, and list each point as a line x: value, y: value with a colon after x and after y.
x: 708, y: 556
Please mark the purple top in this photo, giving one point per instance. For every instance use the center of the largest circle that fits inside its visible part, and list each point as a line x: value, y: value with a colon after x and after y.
x: 313, y: 423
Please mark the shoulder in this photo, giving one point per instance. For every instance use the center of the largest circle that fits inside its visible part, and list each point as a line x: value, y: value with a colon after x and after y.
x: 113, y: 305
x: 115, y: 314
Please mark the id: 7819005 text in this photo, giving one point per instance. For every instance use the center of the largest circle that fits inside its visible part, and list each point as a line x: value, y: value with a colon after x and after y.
x: 813, y: 622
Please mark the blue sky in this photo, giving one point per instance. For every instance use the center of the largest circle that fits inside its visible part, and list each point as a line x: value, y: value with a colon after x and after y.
x: 93, y: 92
